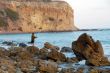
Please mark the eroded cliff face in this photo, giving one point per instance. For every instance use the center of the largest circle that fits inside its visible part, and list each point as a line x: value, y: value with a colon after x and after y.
x: 36, y: 16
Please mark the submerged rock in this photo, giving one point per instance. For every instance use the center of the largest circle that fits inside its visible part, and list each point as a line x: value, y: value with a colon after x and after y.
x: 22, y: 45
x: 67, y: 70
x: 72, y: 70
x: 9, y: 43
x: 50, y: 46
x: 85, y: 48
x: 66, y: 49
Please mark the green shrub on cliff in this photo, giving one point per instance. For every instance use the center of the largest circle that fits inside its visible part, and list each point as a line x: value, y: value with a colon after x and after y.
x: 3, y: 22
x: 13, y: 15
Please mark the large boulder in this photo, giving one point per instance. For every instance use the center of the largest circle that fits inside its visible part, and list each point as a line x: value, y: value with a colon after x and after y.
x: 85, y: 48
x: 56, y: 56
x: 50, y: 46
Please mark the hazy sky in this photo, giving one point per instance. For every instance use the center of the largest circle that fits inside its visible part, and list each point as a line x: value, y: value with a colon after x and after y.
x: 91, y: 13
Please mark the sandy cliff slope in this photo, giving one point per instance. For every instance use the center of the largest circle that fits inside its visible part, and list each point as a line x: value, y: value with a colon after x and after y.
x: 35, y: 16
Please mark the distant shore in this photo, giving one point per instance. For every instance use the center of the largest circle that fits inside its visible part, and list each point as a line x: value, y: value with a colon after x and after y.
x: 15, y: 32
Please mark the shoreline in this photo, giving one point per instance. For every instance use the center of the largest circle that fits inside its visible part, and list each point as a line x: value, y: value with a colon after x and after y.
x: 54, y: 31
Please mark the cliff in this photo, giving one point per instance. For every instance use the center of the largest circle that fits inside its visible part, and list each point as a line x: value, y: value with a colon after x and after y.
x: 36, y: 16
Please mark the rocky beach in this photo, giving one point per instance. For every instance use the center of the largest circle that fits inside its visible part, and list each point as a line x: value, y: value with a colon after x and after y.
x: 52, y: 59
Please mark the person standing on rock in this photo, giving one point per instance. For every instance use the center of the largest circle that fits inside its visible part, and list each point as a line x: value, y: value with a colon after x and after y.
x: 33, y: 38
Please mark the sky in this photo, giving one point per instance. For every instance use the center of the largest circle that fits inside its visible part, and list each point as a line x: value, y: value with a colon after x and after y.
x: 91, y: 14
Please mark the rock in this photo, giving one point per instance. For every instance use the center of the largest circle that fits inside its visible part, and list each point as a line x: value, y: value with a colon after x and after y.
x: 72, y: 60
x: 26, y: 66
x: 67, y: 70
x: 85, y: 48
x: 80, y: 70
x: 72, y: 70
x: 7, y: 66
x: 18, y: 70
x: 43, y: 53
x: 33, y: 50
x: 9, y: 43
x: 48, y: 67
x: 50, y: 46
x: 3, y: 52
x: 22, y: 45
x: 66, y: 49
x: 104, y: 71
x: 93, y: 71
x: 99, y: 70
x: 56, y: 56
x: 18, y: 53
x: 24, y: 55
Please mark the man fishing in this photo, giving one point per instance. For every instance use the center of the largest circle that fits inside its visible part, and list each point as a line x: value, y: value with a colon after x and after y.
x: 33, y: 38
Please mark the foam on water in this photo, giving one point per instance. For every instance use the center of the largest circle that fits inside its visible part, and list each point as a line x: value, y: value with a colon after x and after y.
x: 69, y: 54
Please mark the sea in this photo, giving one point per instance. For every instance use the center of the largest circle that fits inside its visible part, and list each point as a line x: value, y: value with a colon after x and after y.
x: 61, y: 39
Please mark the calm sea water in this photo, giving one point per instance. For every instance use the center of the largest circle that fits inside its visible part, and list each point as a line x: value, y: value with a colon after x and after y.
x: 59, y: 38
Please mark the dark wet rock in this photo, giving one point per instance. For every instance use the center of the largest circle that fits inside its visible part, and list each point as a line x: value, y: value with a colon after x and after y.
x: 56, y: 56
x: 67, y: 70
x: 9, y: 43
x: 72, y: 60
x: 47, y: 66
x: 22, y: 45
x: 50, y: 46
x: 85, y: 48
x: 33, y: 50
x: 72, y: 70
x: 66, y: 49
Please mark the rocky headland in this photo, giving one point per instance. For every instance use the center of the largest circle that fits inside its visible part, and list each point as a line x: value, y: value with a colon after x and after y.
x: 51, y: 58
x: 35, y: 16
